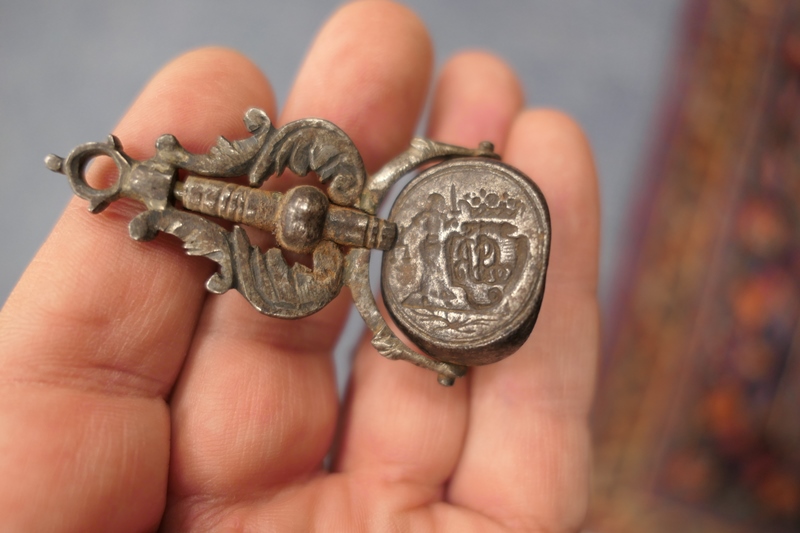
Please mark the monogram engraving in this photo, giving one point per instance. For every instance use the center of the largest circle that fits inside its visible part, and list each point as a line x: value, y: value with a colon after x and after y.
x: 470, y: 256
x: 468, y: 265
x: 468, y: 260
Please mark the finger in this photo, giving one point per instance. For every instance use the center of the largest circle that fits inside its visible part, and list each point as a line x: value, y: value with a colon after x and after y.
x: 528, y: 413
x: 94, y: 334
x: 370, y: 83
x: 476, y: 99
x: 256, y: 405
x: 399, y: 422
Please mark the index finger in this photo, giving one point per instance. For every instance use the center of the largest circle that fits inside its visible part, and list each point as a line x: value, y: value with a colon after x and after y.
x: 93, y: 337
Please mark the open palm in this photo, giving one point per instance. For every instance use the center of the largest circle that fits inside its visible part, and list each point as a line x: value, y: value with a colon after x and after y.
x: 133, y: 401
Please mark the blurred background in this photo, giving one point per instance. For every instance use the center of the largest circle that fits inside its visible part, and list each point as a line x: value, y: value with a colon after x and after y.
x: 693, y: 109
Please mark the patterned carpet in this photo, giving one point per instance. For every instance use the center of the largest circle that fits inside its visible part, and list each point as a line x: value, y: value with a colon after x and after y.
x: 698, y: 417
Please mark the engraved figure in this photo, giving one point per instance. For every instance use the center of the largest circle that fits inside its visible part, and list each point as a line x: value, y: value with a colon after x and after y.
x: 459, y: 260
x: 469, y: 265
x: 447, y: 284
x: 431, y: 222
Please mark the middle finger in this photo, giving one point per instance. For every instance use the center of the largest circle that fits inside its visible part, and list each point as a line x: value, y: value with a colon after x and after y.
x: 255, y: 407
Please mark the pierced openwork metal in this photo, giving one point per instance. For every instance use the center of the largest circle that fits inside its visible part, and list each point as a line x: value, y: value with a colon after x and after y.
x: 465, y: 248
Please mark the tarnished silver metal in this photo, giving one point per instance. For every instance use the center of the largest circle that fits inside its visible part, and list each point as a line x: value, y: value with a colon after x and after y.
x: 464, y: 277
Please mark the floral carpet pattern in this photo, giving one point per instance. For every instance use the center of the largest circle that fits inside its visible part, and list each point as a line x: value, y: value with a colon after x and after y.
x: 698, y: 416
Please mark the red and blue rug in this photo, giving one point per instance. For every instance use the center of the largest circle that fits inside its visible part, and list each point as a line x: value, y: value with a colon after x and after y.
x: 698, y: 416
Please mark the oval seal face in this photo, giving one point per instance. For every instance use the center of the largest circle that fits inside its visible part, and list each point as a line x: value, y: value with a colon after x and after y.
x: 466, y: 276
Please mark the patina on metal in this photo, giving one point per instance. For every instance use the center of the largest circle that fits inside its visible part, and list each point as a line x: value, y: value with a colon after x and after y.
x: 466, y: 276
x: 466, y: 244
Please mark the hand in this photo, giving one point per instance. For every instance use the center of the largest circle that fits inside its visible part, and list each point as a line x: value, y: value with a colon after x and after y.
x: 131, y: 398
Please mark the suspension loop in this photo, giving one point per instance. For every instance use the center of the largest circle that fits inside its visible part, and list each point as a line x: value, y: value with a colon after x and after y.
x: 76, y: 163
